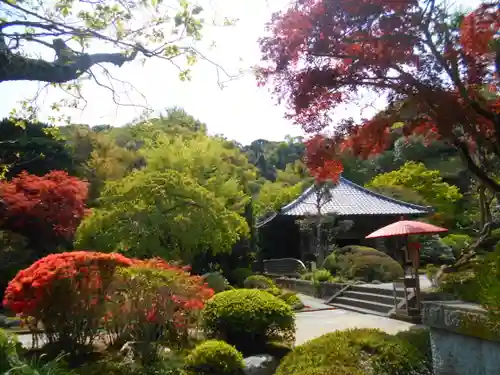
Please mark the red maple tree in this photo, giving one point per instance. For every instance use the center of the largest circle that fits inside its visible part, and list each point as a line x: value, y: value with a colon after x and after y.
x: 437, y: 70
x: 47, y: 210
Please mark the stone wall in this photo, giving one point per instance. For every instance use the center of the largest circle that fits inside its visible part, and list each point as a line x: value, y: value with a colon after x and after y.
x: 463, y: 341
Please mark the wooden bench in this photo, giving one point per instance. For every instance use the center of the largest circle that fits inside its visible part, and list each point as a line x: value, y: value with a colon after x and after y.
x: 290, y: 267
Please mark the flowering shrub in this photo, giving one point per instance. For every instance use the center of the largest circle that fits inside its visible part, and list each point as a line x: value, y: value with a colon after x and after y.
x: 154, y: 301
x: 65, y: 292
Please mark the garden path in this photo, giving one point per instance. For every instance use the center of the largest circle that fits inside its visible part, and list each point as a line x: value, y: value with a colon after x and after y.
x: 315, y: 323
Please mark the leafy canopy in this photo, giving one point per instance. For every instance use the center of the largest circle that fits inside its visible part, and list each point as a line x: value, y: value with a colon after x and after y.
x: 436, y: 71
x: 428, y: 184
x: 215, y: 164
x: 44, y: 209
x: 155, y: 213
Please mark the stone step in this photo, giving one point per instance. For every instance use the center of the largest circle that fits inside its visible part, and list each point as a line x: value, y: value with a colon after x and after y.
x: 382, y: 308
x: 375, y: 290
x: 358, y: 309
x: 374, y: 297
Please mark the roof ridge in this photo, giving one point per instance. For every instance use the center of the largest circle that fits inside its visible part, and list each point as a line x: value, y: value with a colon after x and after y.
x: 384, y: 197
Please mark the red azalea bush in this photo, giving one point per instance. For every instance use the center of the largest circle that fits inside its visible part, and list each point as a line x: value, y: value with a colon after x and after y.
x: 155, y: 301
x: 66, y: 293
x: 75, y: 294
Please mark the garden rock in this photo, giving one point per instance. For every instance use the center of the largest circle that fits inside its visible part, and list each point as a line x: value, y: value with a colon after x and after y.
x: 261, y: 364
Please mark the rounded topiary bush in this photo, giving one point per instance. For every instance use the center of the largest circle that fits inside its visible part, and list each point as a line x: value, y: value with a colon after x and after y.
x: 354, y: 352
x: 365, y: 263
x: 258, y: 282
x: 214, y: 357
x: 248, y: 319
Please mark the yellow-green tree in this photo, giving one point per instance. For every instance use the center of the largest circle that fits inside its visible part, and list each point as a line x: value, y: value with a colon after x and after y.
x: 428, y: 184
x: 160, y: 213
x: 214, y: 163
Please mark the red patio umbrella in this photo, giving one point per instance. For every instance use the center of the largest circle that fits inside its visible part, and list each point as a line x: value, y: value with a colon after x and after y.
x: 406, y: 228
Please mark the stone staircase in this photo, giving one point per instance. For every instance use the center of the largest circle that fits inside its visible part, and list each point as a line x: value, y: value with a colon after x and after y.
x: 367, y: 300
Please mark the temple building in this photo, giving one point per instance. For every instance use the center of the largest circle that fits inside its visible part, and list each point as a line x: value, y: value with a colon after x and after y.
x: 367, y: 211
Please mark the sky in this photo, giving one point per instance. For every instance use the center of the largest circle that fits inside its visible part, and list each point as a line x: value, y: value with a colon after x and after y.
x: 241, y: 111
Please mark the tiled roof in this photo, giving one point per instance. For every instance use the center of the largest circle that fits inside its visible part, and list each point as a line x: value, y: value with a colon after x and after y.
x: 349, y: 199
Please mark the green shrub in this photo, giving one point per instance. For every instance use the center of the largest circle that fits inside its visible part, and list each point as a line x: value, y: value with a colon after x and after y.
x: 258, y: 282
x: 308, y: 276
x: 249, y: 318
x: 9, y: 347
x: 421, y: 340
x: 434, y: 250
x: 238, y: 276
x: 291, y: 299
x: 321, y: 276
x: 331, y: 262
x: 354, y: 352
x: 214, y: 357
x: 216, y: 281
x: 39, y: 366
x: 457, y: 242
x: 275, y: 291
x: 365, y: 263
x: 462, y: 284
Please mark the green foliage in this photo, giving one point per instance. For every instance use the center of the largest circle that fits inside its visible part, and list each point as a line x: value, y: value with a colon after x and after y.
x: 39, y: 366
x: 421, y: 340
x: 165, y: 214
x: 113, y: 364
x: 238, y: 276
x: 489, y: 286
x: 258, y: 282
x: 457, y: 242
x: 431, y: 271
x: 248, y: 319
x: 291, y: 299
x: 214, y: 357
x: 434, y: 250
x: 365, y: 263
x: 322, y: 275
x: 99, y: 158
x: 216, y: 281
x: 9, y: 351
x: 33, y: 147
x: 307, y: 276
x: 427, y: 183
x: 462, y: 284
x: 214, y: 163
x: 354, y: 352
x: 273, y: 196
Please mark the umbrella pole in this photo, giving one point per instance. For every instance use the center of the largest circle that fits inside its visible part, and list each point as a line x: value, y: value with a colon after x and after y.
x: 413, y: 282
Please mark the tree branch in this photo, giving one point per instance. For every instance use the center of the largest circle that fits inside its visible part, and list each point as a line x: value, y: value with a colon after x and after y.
x: 14, y: 67
x: 475, y: 169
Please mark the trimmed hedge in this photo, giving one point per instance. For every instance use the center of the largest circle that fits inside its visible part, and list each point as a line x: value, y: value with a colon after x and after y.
x: 365, y: 263
x: 248, y: 319
x: 258, y: 282
x: 354, y: 352
x: 214, y: 357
